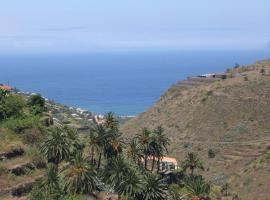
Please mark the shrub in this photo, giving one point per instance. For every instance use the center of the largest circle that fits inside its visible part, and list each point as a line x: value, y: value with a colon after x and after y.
x: 240, y: 128
x: 211, y: 153
x: 236, y: 66
x: 262, y: 71
x: 3, y: 170
x: 18, y: 125
x: 37, y: 104
x: 219, y: 179
x: 12, y: 106
x: 185, y: 145
x: 36, y: 100
x: 209, y: 93
x: 36, y: 110
x: 3, y: 94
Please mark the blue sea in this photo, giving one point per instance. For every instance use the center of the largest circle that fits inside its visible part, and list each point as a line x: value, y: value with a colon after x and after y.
x: 125, y: 83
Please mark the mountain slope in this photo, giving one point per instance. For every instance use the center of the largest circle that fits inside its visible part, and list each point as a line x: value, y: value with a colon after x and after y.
x: 229, y: 117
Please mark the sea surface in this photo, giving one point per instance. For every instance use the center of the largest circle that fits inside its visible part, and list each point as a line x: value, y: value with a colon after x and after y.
x: 125, y: 83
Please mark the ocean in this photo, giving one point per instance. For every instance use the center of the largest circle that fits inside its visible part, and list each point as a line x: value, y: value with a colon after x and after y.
x: 126, y: 83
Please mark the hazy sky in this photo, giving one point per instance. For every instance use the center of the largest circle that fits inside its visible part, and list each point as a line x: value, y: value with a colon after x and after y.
x: 98, y: 25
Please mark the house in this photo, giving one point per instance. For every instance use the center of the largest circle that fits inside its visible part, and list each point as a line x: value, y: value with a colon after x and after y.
x: 220, y: 75
x: 99, y: 119
x: 74, y: 115
x: 207, y: 75
x: 167, y: 164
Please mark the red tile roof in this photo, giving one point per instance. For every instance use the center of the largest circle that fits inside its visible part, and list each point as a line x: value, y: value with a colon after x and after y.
x: 5, y: 87
x: 165, y: 159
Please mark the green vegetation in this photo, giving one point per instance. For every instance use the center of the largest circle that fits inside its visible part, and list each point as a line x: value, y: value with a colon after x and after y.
x: 211, y: 153
x: 192, y: 162
x: 102, y: 161
x: 37, y: 104
x: 11, y: 106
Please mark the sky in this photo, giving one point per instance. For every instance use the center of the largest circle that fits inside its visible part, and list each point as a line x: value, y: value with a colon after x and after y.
x: 111, y: 25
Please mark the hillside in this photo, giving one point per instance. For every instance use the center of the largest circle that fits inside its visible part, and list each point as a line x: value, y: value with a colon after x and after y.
x: 21, y: 163
x: 42, y: 158
x: 228, y: 117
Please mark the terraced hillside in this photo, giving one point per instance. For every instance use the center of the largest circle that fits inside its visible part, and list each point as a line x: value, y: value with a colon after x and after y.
x: 22, y: 129
x: 20, y: 165
x: 226, y: 121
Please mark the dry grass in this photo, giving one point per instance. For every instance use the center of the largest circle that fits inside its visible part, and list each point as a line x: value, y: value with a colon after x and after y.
x: 9, y: 140
x: 231, y: 116
x: 10, y: 180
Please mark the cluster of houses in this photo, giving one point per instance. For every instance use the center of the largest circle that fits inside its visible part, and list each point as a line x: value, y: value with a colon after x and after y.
x: 98, y: 119
x: 79, y: 113
x: 214, y: 75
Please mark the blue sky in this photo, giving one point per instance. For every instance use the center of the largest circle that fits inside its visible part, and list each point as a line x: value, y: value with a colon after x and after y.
x: 108, y: 25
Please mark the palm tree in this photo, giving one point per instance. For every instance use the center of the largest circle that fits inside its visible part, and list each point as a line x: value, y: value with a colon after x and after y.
x: 154, y: 149
x: 79, y: 177
x: 162, y: 142
x: 51, y: 179
x: 94, y: 145
x: 145, y: 138
x: 155, y: 188
x: 131, y: 185
x: 57, y: 146
x: 98, y: 138
x: 192, y: 162
x: 127, y: 181
x: 48, y: 187
x: 116, y: 169
x: 114, y: 143
x: 73, y: 135
x: 110, y: 121
x: 106, y: 141
x: 197, y: 187
x: 135, y: 151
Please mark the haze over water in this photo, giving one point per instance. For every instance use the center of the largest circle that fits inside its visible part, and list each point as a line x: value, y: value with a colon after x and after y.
x: 126, y: 83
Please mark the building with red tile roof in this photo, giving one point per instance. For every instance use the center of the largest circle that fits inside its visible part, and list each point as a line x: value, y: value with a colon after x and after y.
x: 5, y: 87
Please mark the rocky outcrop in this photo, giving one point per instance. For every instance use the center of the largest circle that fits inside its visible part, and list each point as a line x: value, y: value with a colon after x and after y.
x: 19, y: 170
x: 11, y: 154
x: 22, y: 189
x: 18, y: 190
